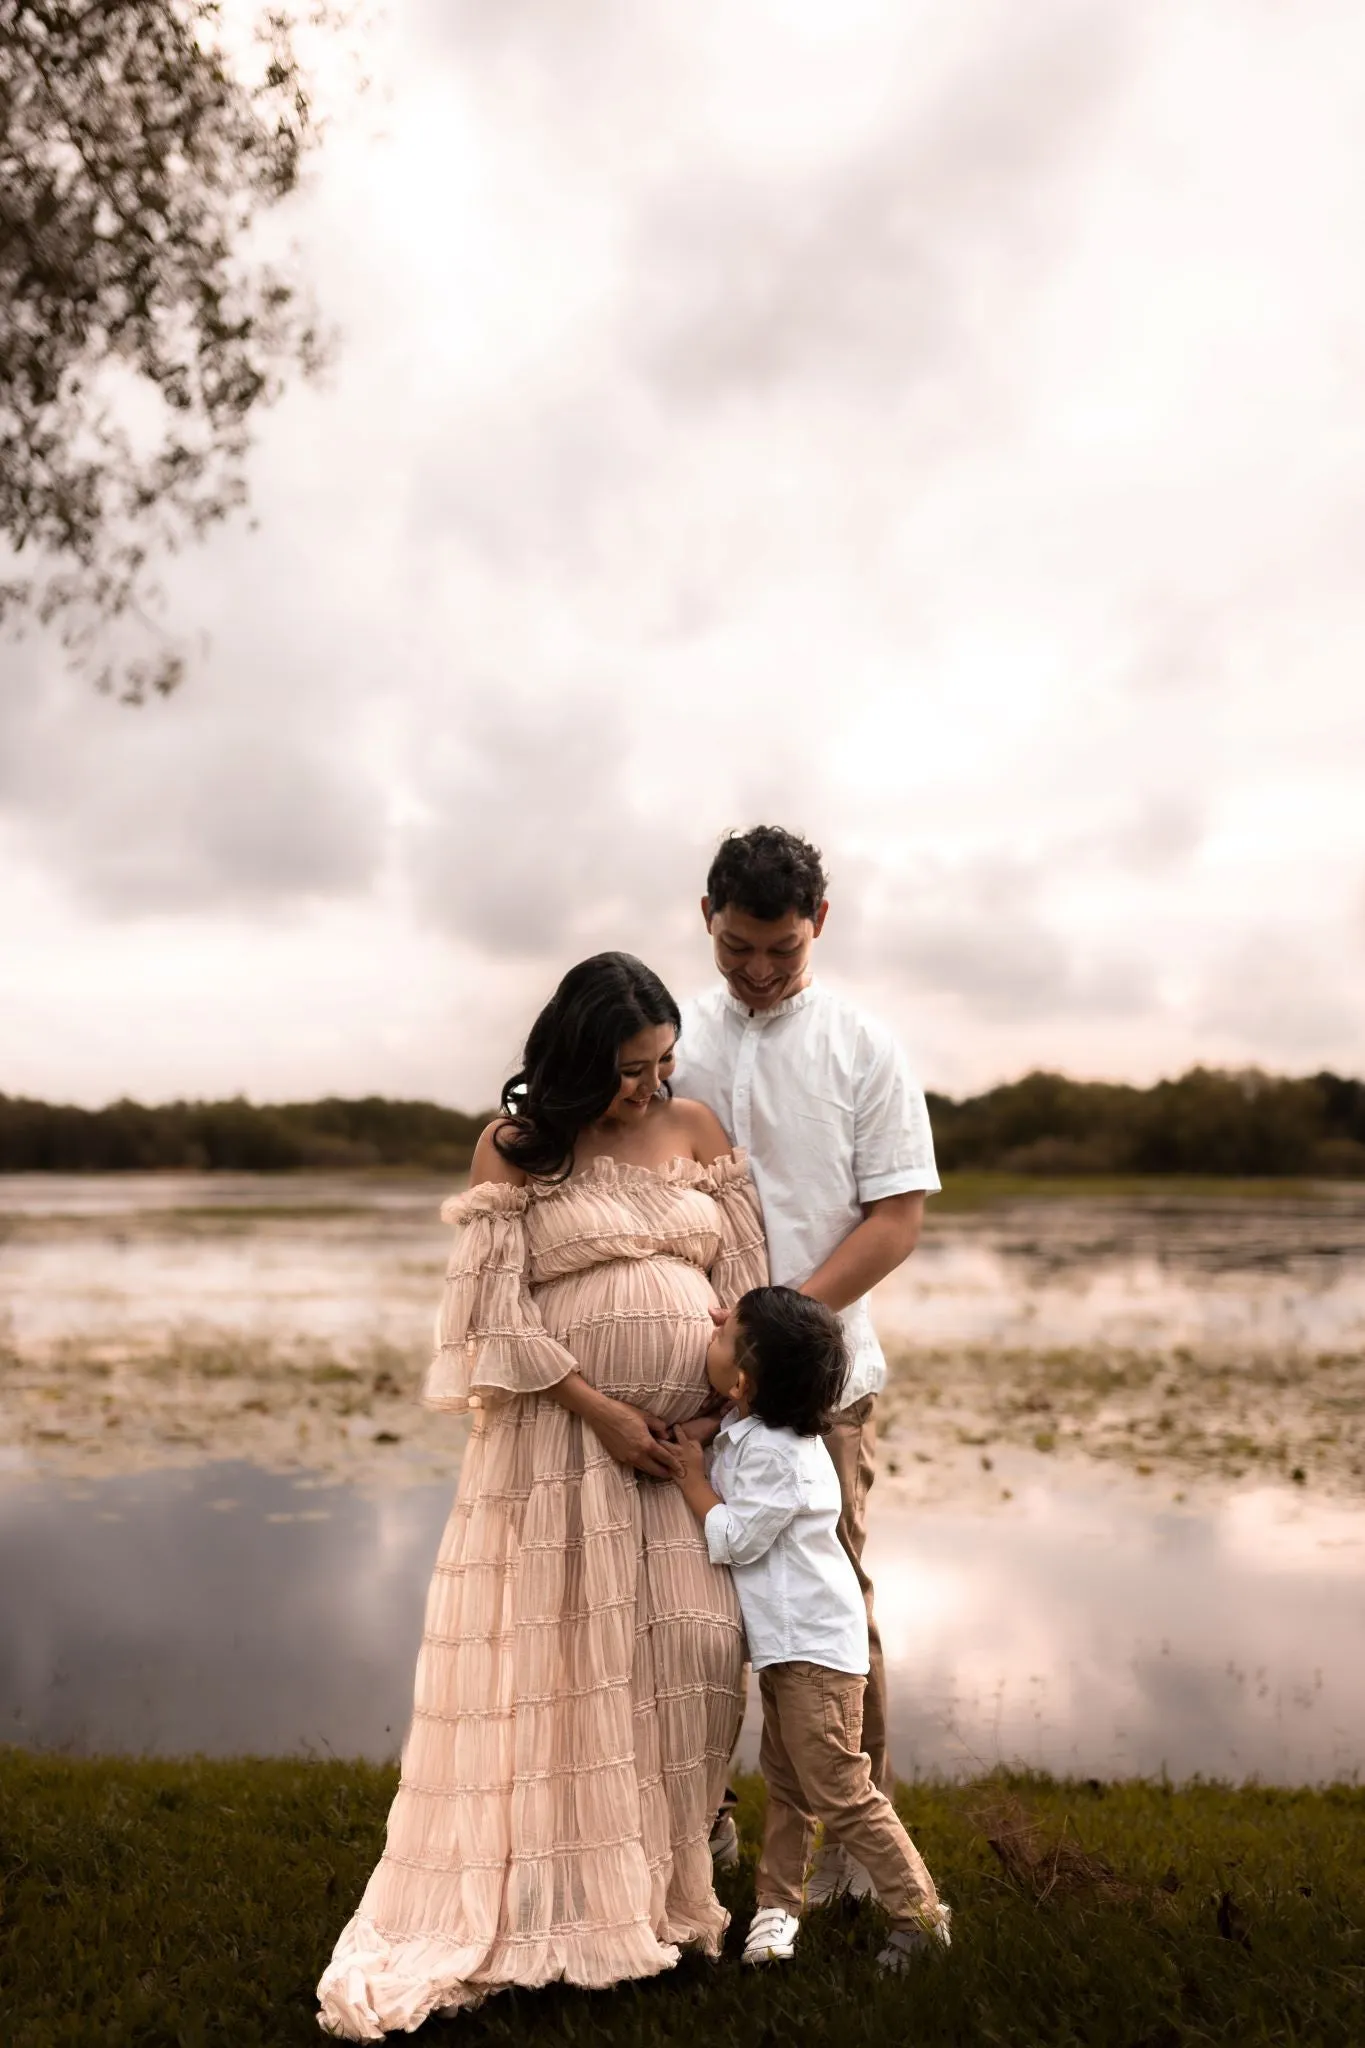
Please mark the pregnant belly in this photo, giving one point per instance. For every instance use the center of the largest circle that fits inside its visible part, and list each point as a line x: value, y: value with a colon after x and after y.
x: 638, y: 1329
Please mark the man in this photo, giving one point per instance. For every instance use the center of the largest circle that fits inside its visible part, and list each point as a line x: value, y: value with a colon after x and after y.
x: 820, y: 1096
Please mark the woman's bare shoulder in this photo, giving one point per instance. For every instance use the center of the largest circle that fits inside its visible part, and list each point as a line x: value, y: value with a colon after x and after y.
x: 489, y: 1164
x: 701, y: 1128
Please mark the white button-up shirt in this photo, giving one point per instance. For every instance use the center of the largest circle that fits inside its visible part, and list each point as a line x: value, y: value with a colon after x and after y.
x: 777, y: 1530
x: 821, y: 1097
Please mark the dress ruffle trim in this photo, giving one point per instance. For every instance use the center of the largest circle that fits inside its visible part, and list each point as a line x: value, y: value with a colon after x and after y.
x: 501, y: 1198
x: 730, y: 1170
x: 376, y: 1984
x: 490, y: 1341
x: 489, y: 1198
x: 724, y: 1172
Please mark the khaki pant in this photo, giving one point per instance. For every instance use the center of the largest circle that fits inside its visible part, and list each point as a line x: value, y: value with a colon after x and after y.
x: 851, y: 1441
x: 816, y: 1769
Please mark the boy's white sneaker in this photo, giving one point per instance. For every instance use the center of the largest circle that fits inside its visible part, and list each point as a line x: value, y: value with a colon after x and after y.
x: 907, y: 1944
x: 836, y: 1875
x: 772, y: 1936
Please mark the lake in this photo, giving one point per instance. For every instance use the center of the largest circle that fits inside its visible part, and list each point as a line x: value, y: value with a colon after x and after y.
x: 1119, y: 1527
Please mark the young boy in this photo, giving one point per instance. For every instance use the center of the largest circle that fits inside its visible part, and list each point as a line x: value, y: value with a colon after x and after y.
x: 770, y: 1510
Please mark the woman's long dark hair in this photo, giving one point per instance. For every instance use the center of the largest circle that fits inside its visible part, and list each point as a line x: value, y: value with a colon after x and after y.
x: 569, y: 1074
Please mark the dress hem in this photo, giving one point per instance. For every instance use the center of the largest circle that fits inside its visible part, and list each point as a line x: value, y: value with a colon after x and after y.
x: 375, y: 1985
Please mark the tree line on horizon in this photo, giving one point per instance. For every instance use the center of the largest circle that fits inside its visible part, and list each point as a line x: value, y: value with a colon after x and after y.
x: 1207, y: 1121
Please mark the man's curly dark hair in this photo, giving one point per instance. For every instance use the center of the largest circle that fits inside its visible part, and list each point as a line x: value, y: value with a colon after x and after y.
x: 793, y: 1353
x: 766, y: 872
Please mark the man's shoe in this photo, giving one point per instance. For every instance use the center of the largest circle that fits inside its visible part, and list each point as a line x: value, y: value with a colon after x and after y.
x: 908, y: 1944
x: 725, y: 1843
x: 836, y: 1875
x: 772, y: 1936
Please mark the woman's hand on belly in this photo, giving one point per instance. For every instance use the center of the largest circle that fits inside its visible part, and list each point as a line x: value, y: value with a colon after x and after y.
x: 633, y: 1436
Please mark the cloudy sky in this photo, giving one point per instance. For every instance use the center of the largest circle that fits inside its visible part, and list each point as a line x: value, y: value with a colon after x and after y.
x: 936, y: 427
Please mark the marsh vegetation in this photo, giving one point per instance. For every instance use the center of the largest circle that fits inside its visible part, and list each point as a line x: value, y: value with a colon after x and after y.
x: 1208, y: 1334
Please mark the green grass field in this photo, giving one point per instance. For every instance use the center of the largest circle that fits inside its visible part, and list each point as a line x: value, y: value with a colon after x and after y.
x: 969, y: 1188
x: 195, y: 1903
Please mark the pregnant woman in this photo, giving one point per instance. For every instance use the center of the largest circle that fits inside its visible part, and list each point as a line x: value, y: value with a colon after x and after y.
x: 578, y: 1686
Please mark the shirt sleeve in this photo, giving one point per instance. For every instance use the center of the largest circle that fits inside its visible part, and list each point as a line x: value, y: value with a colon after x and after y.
x: 765, y: 1498
x: 893, y: 1146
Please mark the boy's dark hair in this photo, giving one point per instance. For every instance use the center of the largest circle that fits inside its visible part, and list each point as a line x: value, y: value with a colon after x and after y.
x: 766, y: 872
x: 793, y: 1351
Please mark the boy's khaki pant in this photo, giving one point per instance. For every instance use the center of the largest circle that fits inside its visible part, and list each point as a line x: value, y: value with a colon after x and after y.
x: 815, y: 1769
x: 851, y: 1441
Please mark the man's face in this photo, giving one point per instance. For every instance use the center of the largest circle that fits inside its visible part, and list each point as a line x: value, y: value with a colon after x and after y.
x: 762, y: 961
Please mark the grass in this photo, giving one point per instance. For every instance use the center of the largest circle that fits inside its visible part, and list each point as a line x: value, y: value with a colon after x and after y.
x: 978, y: 1187
x: 227, y: 1214
x: 195, y: 1903
x: 964, y: 1189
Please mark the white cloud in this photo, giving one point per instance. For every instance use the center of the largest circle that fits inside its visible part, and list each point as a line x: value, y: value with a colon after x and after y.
x: 938, y: 429
x: 536, y: 841
x: 1283, y: 995
x: 889, y: 269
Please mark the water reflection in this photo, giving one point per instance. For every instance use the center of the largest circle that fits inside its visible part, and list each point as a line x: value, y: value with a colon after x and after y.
x: 229, y: 1610
x: 347, y: 1259
x: 1085, y: 1631
x: 1231, y: 1277
x: 132, y: 1258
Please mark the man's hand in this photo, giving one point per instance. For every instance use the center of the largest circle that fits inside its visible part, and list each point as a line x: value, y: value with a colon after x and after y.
x: 635, y: 1438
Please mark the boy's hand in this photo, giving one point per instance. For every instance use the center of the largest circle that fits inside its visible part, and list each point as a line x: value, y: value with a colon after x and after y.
x: 692, y: 1465
x: 700, y: 1429
x: 697, y: 1489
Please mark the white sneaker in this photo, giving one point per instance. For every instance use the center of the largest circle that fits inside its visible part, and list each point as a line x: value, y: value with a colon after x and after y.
x: 836, y: 1875
x: 907, y: 1944
x: 725, y: 1843
x: 772, y: 1936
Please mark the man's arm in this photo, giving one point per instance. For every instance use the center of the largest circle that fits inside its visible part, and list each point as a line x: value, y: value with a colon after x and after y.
x: 893, y: 1170
x: 875, y: 1247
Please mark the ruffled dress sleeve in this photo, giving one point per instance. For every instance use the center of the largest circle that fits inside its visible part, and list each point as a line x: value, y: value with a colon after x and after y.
x: 490, y: 1342
x: 742, y: 1260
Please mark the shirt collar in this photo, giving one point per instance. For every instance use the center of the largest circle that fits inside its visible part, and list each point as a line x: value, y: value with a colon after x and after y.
x: 736, y: 1426
x: 782, y: 1009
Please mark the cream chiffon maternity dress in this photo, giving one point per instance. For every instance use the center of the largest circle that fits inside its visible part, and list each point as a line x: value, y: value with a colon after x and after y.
x: 578, y: 1686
